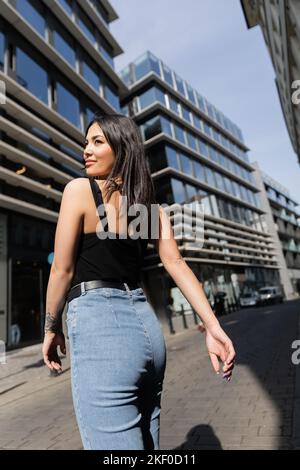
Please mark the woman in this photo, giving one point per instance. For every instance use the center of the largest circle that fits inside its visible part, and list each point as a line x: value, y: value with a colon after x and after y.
x: 117, y: 349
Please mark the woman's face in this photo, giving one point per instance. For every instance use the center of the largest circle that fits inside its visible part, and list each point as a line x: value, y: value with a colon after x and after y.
x: 98, y: 155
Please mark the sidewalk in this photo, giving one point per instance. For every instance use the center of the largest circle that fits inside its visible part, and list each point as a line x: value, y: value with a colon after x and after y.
x: 258, y: 409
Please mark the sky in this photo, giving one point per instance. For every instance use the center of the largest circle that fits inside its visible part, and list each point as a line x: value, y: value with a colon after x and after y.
x: 207, y: 43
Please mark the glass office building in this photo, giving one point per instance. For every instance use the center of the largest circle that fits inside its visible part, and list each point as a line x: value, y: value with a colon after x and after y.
x: 197, y: 154
x: 57, y: 63
x: 284, y: 224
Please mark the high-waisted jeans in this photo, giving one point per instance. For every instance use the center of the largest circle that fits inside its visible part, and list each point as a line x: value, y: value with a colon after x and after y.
x: 118, y: 359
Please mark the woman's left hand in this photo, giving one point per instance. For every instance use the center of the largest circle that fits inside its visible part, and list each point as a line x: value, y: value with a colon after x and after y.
x: 220, y: 347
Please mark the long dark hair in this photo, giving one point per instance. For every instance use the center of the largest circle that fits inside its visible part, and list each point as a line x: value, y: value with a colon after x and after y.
x: 131, y: 164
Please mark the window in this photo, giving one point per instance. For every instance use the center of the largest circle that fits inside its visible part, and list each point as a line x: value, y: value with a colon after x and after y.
x: 214, y: 155
x: 192, y: 141
x: 146, y: 64
x: 228, y: 185
x: 2, y: 50
x: 186, y: 113
x: 91, y: 76
x: 68, y: 105
x: 86, y: 25
x: 71, y: 153
x: 33, y: 13
x: 179, y: 84
x: 210, y: 110
x: 67, y: 6
x: 186, y: 164
x: 201, y: 103
x: 191, y: 192
x: 178, y: 191
x: 152, y: 127
x: 31, y: 75
x: 166, y: 126
x: 151, y: 96
x: 190, y: 93
x: 111, y: 97
x: 207, y: 128
x: 172, y: 157
x: 197, y: 122
x: 88, y: 115
x: 173, y: 105
x: 106, y: 51
x: 167, y: 75
x: 203, y: 147
x: 216, y: 135
x: 220, y: 181
x: 179, y: 134
x: 210, y: 177
x: 65, y: 46
x: 199, y: 171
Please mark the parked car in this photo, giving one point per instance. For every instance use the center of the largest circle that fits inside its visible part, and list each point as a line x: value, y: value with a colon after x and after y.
x: 249, y: 299
x: 270, y: 295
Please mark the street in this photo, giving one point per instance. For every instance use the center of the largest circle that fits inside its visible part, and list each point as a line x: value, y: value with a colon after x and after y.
x: 258, y: 409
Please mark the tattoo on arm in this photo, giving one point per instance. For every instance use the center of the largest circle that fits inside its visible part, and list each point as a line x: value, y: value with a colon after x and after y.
x: 52, y: 323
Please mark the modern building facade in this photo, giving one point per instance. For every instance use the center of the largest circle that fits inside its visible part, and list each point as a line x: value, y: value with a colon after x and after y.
x: 197, y: 154
x: 283, y: 220
x: 280, y: 23
x: 57, y: 63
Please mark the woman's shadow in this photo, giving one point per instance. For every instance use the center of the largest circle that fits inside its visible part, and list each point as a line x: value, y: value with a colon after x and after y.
x: 202, y: 437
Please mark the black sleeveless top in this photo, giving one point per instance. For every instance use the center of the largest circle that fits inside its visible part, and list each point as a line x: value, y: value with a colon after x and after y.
x: 111, y: 259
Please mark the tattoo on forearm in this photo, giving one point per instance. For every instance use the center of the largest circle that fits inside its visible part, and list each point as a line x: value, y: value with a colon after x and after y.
x: 52, y: 323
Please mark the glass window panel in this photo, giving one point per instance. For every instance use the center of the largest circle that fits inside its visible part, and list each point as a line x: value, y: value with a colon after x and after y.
x: 216, y: 134
x: 173, y: 105
x: 172, y: 158
x: 86, y: 25
x: 64, y: 47
x: 178, y: 191
x: 207, y: 128
x: 220, y: 181
x: 67, y: 6
x: 160, y: 96
x: 166, y: 126
x: 89, y: 115
x: 91, y: 76
x: 111, y: 97
x: 68, y: 105
x: 126, y: 76
x: 179, y: 84
x: 152, y: 127
x: 179, y: 134
x: 107, y: 55
x: 147, y: 98
x: 167, y: 75
x: 210, y: 110
x: 31, y: 75
x: 203, y: 148
x: 243, y: 192
x: 185, y: 113
x: 2, y: 49
x: 214, y: 155
x: 228, y: 185
x: 32, y: 14
x: 154, y: 63
x: 192, y: 141
x: 209, y: 176
x: 142, y: 67
x: 197, y: 122
x: 199, y: 171
x: 190, y: 93
x: 191, y: 192
x: 186, y: 164
x: 201, y: 103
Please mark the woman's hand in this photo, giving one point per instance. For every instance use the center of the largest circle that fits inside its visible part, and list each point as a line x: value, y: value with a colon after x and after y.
x: 50, y: 355
x: 220, y: 347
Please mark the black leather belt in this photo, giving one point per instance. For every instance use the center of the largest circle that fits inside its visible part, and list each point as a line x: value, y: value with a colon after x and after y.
x: 79, y: 289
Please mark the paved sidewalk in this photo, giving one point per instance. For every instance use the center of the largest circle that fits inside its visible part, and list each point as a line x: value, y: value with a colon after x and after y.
x: 256, y: 410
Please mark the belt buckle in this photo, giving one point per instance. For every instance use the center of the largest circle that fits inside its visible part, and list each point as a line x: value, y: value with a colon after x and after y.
x: 82, y: 288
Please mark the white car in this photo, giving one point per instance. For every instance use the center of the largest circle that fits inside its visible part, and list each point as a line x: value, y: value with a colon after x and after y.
x: 249, y: 299
x: 270, y: 295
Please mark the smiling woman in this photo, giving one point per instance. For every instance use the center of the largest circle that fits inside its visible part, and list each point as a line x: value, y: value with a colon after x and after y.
x: 117, y: 349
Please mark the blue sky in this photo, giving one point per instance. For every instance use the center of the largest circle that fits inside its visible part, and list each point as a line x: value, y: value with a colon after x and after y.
x: 208, y: 44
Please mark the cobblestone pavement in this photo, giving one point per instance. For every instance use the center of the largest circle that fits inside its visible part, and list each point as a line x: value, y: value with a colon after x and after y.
x: 258, y: 409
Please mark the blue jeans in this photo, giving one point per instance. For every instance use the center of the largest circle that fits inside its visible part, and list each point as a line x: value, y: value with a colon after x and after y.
x: 118, y: 359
